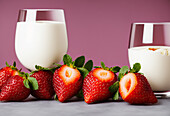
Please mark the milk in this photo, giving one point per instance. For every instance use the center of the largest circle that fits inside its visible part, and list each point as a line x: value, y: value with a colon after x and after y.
x: 155, y: 64
x: 40, y: 43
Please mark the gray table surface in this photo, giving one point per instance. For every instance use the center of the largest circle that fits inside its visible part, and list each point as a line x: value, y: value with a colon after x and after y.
x: 76, y: 107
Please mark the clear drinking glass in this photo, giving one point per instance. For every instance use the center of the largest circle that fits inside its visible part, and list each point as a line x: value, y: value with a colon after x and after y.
x: 149, y: 45
x: 41, y: 37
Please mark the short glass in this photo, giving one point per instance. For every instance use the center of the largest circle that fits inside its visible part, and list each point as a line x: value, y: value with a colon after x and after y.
x: 41, y: 37
x: 149, y: 45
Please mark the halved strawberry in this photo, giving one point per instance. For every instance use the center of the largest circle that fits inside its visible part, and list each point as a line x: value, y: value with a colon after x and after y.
x: 97, y: 83
x: 68, y: 78
x: 135, y: 89
x: 67, y: 82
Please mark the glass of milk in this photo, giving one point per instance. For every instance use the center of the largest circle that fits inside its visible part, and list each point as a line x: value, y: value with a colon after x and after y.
x: 41, y: 37
x: 149, y: 45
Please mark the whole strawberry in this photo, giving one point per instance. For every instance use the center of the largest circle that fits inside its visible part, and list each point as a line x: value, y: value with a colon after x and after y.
x: 44, y: 78
x: 96, y: 85
x: 17, y: 88
x: 7, y: 72
x: 68, y: 79
x: 134, y: 87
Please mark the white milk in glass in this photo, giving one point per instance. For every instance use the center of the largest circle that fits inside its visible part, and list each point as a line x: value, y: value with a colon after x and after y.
x: 40, y: 43
x: 155, y: 64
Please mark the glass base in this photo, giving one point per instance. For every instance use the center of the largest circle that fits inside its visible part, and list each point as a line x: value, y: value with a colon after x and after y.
x: 162, y: 94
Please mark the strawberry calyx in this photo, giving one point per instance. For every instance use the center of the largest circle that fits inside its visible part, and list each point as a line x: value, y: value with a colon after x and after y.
x: 125, y: 69
x: 39, y: 68
x: 13, y: 67
x: 78, y: 64
x: 114, y: 69
x: 29, y: 82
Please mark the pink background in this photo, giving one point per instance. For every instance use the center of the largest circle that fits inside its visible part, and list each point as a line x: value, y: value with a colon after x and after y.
x: 98, y: 29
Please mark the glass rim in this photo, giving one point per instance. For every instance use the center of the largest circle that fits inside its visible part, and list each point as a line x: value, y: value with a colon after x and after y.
x: 42, y: 9
x: 154, y: 23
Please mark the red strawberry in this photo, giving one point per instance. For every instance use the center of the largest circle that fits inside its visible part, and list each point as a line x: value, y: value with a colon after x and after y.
x: 7, y: 72
x: 68, y: 79
x: 96, y: 85
x: 17, y: 87
x: 44, y: 79
x: 14, y: 89
x: 67, y: 82
x: 135, y: 89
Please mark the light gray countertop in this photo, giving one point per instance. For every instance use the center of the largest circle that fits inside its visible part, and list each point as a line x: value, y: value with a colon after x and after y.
x: 77, y: 107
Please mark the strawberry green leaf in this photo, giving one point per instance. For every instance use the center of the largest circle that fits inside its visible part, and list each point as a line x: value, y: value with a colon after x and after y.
x: 80, y: 94
x: 113, y: 88
x: 107, y: 68
x: 132, y: 70
x: 33, y: 83
x: 89, y: 65
x: 58, y: 65
x: 123, y: 71
x: 84, y: 72
x: 55, y: 97
x: 136, y: 68
x: 73, y: 63
x: 7, y: 64
x: 67, y: 59
x: 41, y: 68
x: 103, y: 65
x: 115, y: 69
x: 79, y: 62
x: 53, y: 69
x: 116, y: 95
x: 120, y: 76
x: 97, y: 67
x: 14, y: 64
x: 38, y: 67
x: 141, y: 73
x: 26, y: 83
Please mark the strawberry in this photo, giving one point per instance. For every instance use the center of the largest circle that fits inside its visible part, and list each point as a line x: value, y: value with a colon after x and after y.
x: 68, y: 78
x: 17, y: 87
x: 44, y: 78
x: 134, y: 87
x: 96, y: 85
x: 7, y: 72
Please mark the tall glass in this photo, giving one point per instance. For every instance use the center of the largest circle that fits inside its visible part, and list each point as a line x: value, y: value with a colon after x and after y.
x: 150, y: 46
x: 41, y: 37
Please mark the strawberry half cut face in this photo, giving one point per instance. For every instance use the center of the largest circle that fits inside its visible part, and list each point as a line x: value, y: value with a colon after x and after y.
x: 128, y: 84
x: 69, y: 75
x: 103, y: 75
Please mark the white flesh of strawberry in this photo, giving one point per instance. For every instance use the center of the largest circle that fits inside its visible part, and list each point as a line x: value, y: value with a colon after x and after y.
x: 103, y: 75
x: 69, y: 74
x: 130, y: 77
